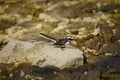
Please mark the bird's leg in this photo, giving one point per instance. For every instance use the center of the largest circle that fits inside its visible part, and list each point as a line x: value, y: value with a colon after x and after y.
x: 62, y: 47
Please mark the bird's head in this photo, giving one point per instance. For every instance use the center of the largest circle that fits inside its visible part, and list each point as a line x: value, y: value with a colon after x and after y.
x: 69, y: 38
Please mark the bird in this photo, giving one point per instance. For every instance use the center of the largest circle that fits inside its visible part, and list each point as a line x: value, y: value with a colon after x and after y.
x: 58, y: 42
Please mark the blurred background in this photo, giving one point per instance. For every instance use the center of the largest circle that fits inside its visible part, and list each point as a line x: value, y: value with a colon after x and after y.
x: 95, y: 25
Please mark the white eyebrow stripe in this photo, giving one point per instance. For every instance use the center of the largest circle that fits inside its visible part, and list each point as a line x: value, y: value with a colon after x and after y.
x: 48, y: 38
x: 70, y: 37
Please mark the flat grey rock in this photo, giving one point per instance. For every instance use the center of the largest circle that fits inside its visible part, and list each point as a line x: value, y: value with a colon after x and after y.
x: 41, y: 54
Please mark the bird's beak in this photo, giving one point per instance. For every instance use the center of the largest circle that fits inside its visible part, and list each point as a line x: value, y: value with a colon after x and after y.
x: 72, y: 38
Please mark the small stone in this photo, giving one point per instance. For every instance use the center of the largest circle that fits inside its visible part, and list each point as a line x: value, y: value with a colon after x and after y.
x: 85, y: 72
x: 11, y: 75
x: 109, y: 54
x: 22, y: 73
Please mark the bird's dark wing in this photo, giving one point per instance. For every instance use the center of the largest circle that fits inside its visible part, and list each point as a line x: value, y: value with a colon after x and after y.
x: 48, y: 37
x: 61, y: 42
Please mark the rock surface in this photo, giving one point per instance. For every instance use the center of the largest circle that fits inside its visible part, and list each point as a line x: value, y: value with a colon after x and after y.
x: 41, y: 54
